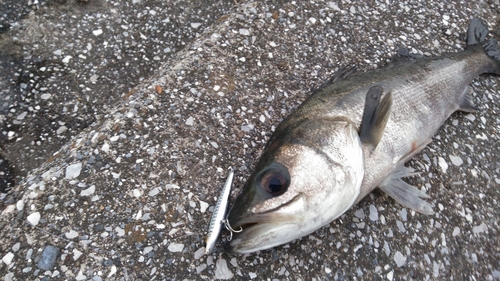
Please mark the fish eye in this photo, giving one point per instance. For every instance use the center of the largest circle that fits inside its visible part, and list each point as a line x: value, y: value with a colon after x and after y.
x: 275, y: 181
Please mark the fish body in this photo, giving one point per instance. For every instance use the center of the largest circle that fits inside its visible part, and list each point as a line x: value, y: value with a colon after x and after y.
x: 218, y: 215
x: 350, y: 136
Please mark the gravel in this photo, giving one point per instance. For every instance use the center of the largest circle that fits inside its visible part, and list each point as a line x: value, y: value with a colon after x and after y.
x: 159, y: 98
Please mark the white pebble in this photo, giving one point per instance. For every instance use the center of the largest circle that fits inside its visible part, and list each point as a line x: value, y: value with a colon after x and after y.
x: 199, y: 253
x: 88, y: 191
x: 147, y: 250
x: 175, y: 247
x: 136, y: 193
x: 76, y: 254
x: 7, y: 259
x: 16, y: 247
x: 61, y: 130
x: 119, y: 231
x: 105, y: 147
x: 112, y: 271
x: 399, y: 259
x: 97, y: 32
x: 442, y: 164
x: 9, y: 209
x: 154, y: 192
x: 244, y: 31
x: 34, y: 218
x: 45, y: 96
x: 71, y: 234
x: 373, y: 213
x: 190, y: 121
x: 221, y: 270
x: 80, y: 276
x: 390, y: 275
x: 456, y: 231
x: 20, y: 205
x: 22, y: 115
x: 457, y: 161
x: 66, y: 59
x: 480, y: 228
x: 247, y: 128
x: 203, y: 206
x: 73, y: 171
x: 195, y: 24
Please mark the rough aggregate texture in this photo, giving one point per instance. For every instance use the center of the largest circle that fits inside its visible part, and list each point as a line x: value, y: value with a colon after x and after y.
x: 136, y: 123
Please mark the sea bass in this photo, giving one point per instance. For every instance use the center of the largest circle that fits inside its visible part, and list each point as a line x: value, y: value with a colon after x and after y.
x: 352, y: 135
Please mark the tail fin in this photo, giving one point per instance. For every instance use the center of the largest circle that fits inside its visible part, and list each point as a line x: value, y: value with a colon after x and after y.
x: 476, y: 35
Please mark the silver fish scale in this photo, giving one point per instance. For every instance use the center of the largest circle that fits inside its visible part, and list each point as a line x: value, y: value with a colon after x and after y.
x: 425, y: 94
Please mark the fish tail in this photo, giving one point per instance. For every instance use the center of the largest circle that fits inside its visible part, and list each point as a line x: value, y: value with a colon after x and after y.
x: 476, y: 35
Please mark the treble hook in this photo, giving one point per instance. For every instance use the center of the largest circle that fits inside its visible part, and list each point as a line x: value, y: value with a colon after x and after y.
x: 231, y: 230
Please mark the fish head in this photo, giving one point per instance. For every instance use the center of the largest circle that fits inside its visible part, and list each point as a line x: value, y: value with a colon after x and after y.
x: 308, y: 176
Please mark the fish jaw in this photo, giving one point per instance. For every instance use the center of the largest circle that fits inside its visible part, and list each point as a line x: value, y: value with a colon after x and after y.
x: 325, y: 171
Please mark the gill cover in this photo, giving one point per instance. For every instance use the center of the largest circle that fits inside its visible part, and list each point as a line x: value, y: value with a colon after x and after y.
x: 308, y: 177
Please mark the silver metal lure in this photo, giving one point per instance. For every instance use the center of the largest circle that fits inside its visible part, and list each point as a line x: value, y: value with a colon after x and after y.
x: 219, y: 215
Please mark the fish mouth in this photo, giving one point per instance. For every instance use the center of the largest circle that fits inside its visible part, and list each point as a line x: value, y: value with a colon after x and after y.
x: 257, y: 231
x: 257, y: 236
x: 251, y: 234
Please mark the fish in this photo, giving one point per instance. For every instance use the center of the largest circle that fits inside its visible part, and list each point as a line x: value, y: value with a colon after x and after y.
x: 219, y: 215
x: 352, y: 135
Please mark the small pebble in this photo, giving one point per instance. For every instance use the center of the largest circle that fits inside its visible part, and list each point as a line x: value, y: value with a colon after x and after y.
x: 71, y: 234
x: 34, y: 218
x: 76, y: 254
x: 97, y: 32
x: 457, y: 161
x: 480, y: 228
x: 399, y: 259
x: 119, y: 231
x: 195, y: 25
x: 199, y: 253
x: 442, y: 164
x: 373, y: 213
x: 203, y: 206
x: 244, y: 31
x: 360, y: 214
x: 73, y: 171
x: 48, y: 259
x: 22, y: 115
x: 154, y: 192
x: 7, y: 259
x: 175, y: 247
x: 222, y: 271
x: 88, y: 191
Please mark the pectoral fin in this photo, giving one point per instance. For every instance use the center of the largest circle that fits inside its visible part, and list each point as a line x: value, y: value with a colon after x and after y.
x: 404, y: 193
x: 375, y: 116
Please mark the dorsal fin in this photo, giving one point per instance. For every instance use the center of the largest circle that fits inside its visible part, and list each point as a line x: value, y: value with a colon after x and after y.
x: 375, y: 116
x: 341, y: 74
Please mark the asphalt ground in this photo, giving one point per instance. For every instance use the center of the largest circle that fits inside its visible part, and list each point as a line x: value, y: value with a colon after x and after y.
x: 120, y: 119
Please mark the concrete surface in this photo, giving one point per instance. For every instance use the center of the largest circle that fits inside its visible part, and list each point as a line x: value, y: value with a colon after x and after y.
x: 137, y: 108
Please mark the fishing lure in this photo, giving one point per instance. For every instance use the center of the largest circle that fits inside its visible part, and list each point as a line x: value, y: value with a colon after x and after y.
x: 219, y: 216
